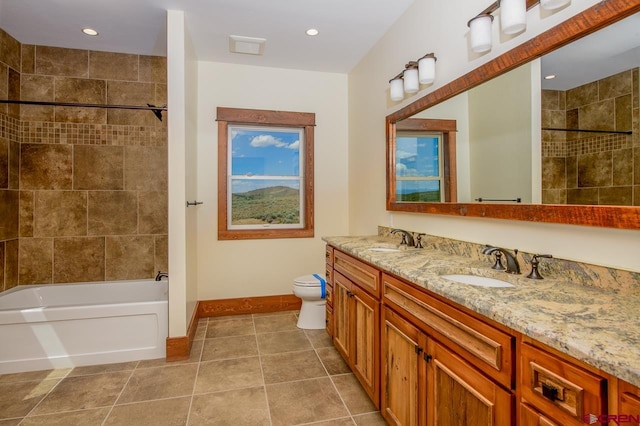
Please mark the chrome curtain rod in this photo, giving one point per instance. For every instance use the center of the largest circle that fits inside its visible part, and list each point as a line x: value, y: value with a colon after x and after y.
x: 157, y: 110
x: 619, y: 132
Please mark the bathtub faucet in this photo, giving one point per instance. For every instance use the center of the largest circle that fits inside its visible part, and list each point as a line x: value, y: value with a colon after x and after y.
x: 161, y: 275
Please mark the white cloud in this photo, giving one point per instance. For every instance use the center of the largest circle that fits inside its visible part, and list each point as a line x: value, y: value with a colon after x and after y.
x: 262, y: 141
x: 401, y: 155
x: 403, y: 170
x: 294, y: 145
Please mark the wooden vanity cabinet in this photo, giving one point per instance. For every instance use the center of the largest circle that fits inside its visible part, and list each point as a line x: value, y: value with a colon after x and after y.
x: 629, y: 403
x: 530, y: 417
x: 329, y: 289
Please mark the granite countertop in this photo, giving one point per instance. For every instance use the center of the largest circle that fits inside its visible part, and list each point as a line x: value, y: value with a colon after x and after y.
x: 594, y: 325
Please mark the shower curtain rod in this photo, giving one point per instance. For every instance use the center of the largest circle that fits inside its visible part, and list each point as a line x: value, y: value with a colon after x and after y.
x: 157, y: 110
x: 620, y: 132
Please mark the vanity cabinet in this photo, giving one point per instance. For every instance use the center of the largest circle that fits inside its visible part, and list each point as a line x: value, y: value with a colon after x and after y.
x: 356, y: 320
x: 629, y: 402
x: 329, y: 289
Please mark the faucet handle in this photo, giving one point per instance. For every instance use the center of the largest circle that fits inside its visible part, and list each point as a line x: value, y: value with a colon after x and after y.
x: 419, y: 241
x: 498, y: 264
x: 534, y: 274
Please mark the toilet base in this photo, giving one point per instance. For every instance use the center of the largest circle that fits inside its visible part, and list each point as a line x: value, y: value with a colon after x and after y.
x: 312, y: 315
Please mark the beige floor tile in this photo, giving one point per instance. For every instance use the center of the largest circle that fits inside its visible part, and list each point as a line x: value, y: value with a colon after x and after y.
x: 215, y: 376
x: 171, y: 381
x: 345, y: 421
x: 230, y: 318
x: 304, y: 401
x: 238, y: 327
x: 371, y: 419
x: 275, y: 323
x: 169, y: 412
x: 287, y: 341
x: 75, y: 393
x: 291, y: 366
x: 31, y: 376
x: 201, y: 332
x: 237, y: 407
x: 10, y: 422
x: 230, y: 347
x: 270, y: 314
x: 333, y: 361
x: 92, y: 417
x: 104, y: 368
x: 352, y: 394
x: 18, y: 399
x: 194, y: 356
x: 319, y: 338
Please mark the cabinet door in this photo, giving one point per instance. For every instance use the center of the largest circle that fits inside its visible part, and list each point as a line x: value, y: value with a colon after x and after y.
x: 341, y: 315
x: 629, y: 406
x: 403, y: 371
x: 530, y: 417
x: 365, y: 358
x: 459, y: 395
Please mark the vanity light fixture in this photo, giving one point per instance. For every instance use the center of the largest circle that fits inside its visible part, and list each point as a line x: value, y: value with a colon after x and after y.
x: 312, y: 32
x: 480, y: 32
x: 90, y: 31
x: 553, y: 4
x: 513, y: 16
x: 415, y: 73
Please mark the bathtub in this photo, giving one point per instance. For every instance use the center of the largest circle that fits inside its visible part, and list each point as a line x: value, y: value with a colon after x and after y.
x: 68, y: 325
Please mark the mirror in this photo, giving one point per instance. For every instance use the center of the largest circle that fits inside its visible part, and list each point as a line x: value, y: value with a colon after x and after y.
x: 533, y: 166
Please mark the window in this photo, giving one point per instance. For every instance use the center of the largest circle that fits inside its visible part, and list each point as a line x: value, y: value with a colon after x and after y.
x: 265, y: 174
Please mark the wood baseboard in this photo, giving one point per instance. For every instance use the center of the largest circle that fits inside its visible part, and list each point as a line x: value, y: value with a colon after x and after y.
x: 248, y: 305
x: 179, y: 348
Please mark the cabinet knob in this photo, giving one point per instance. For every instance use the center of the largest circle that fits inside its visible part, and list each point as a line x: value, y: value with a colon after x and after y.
x: 427, y: 357
x: 418, y: 349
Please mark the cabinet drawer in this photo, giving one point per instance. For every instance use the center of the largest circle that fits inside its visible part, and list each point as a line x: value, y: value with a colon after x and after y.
x: 365, y: 276
x: 329, y: 255
x: 329, y: 320
x: 530, y: 417
x: 328, y: 275
x: 329, y: 296
x: 484, y: 343
x: 559, y: 388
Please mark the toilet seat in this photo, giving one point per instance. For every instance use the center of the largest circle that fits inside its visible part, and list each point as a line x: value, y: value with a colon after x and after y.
x: 307, y: 281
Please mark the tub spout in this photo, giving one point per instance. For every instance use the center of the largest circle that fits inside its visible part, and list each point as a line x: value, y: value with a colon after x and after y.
x: 161, y: 275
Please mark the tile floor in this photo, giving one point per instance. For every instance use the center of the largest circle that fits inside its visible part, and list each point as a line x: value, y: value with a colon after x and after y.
x: 244, y: 370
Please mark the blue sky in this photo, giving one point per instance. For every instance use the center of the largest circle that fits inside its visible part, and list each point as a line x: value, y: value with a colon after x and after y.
x: 416, y: 156
x: 257, y: 152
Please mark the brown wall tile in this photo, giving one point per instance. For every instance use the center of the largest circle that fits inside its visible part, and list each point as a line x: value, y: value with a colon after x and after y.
x: 45, y: 166
x: 14, y: 93
x: 14, y: 165
x: 26, y: 213
x: 113, y: 66
x: 78, y: 259
x: 616, y: 196
x: 636, y: 195
x: 623, y: 113
x: 161, y: 99
x: 553, y: 118
x: 598, y: 116
x: 636, y: 165
x: 128, y: 93
x: 582, y: 196
x: 113, y: 213
x: 80, y: 90
x: 554, y: 173
x: 4, y: 87
x: 11, y: 249
x: 9, y: 50
x: 36, y: 88
x: 129, y: 257
x: 572, y: 172
x: 1, y: 265
x: 161, y: 253
x: 551, y: 99
x: 636, y: 88
x: 622, y: 163
x: 28, y: 59
x: 98, y: 167
x: 594, y: 170
x: 145, y: 168
x: 60, y: 61
x: 615, y: 85
x: 582, y: 95
x: 8, y: 214
x: 554, y: 196
x: 60, y: 214
x: 35, y: 261
x: 153, y: 69
x: 153, y: 212
x: 4, y: 163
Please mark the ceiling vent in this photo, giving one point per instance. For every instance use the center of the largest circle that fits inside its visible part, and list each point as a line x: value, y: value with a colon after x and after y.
x: 246, y: 45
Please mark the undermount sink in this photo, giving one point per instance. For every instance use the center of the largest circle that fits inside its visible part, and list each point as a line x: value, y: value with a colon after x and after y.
x: 384, y: 249
x: 477, y: 280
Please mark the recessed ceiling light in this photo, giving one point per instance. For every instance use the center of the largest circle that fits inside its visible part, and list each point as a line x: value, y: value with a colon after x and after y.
x: 246, y: 45
x: 312, y: 32
x: 549, y: 77
x: 90, y: 31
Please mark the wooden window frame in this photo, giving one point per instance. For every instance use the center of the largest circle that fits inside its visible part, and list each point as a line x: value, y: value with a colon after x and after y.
x: 267, y: 118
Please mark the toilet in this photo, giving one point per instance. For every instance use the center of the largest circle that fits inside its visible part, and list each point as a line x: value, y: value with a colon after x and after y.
x: 312, y: 290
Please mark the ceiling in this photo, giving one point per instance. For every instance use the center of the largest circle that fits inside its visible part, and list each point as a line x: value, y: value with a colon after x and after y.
x: 348, y: 28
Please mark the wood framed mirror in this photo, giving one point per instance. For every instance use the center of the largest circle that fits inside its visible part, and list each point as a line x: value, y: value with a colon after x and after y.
x: 587, y: 22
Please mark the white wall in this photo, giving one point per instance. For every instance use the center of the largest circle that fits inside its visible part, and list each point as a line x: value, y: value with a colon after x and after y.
x: 232, y: 269
x: 441, y: 27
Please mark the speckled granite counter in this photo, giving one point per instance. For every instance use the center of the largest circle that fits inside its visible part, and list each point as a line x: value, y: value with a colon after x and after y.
x: 598, y: 326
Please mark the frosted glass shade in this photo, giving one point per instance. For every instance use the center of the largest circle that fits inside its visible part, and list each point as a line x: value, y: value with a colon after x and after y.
x: 480, y: 33
x: 553, y: 4
x: 427, y: 70
x: 513, y: 16
x: 396, y: 89
x: 410, y: 77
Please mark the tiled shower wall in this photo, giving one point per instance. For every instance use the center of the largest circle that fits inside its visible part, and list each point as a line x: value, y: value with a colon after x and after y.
x: 89, y: 202
x: 592, y: 168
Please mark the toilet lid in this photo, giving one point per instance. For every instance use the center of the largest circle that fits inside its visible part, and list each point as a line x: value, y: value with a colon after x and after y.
x: 307, y: 281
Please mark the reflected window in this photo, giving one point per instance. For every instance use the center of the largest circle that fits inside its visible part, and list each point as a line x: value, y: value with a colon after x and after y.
x: 419, y: 167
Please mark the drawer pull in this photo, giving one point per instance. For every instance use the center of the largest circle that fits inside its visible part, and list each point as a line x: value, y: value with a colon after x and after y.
x: 418, y: 349
x: 549, y: 392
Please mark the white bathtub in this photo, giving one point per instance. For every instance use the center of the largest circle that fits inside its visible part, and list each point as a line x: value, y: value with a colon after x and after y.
x: 67, y: 325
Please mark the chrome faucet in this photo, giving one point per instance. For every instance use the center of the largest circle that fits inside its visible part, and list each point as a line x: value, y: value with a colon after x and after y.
x: 161, y: 275
x: 407, y: 237
x: 513, y: 267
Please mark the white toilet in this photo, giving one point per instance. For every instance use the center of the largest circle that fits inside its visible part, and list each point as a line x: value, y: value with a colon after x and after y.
x: 311, y: 289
